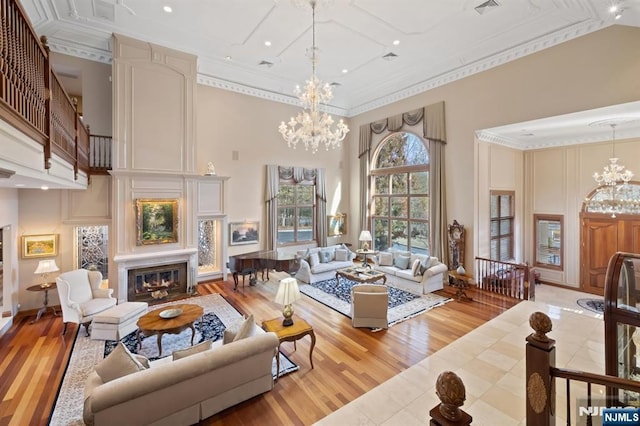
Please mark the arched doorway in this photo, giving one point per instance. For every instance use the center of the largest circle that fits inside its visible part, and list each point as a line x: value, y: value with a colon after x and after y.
x: 607, y: 228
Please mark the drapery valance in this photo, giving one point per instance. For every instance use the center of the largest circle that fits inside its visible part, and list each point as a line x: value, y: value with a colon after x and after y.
x: 433, y: 129
x: 277, y: 174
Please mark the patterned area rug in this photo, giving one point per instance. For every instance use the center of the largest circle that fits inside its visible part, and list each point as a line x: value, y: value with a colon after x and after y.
x: 403, y: 305
x: 594, y: 305
x: 86, y: 353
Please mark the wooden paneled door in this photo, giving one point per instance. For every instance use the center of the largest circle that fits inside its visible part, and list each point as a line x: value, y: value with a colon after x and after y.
x: 602, y: 236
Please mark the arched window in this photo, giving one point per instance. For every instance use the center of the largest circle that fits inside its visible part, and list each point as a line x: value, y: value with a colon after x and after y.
x: 400, y: 193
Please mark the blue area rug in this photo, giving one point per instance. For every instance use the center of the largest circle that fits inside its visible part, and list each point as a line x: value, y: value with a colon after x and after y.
x: 403, y: 305
x: 594, y: 305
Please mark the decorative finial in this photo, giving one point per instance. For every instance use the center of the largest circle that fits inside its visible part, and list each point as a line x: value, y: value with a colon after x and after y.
x: 541, y: 324
x: 451, y: 391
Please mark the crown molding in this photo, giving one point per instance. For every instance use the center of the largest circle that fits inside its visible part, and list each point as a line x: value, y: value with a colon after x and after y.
x: 523, y: 145
x: 93, y: 54
x: 208, y: 80
x: 539, y: 44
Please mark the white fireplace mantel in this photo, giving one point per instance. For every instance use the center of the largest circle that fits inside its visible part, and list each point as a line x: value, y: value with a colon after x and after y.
x: 142, y: 260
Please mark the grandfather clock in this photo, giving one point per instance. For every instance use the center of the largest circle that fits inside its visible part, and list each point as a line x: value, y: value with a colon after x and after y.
x: 456, y: 245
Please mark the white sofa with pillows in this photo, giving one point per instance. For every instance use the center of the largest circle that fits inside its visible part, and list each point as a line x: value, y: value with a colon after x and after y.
x: 422, y: 270
x: 185, y: 388
x: 321, y: 263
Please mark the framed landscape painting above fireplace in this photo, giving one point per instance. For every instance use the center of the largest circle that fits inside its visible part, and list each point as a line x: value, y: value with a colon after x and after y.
x: 156, y: 221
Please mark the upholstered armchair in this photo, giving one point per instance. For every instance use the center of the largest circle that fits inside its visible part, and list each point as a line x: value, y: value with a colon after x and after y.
x: 369, y: 305
x: 81, y: 297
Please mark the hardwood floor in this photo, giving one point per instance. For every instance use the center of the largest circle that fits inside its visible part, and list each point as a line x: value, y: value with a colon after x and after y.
x: 348, y: 361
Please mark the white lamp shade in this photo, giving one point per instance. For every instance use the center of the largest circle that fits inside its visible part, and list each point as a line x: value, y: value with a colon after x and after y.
x: 288, y: 292
x: 46, y: 266
x: 365, y: 236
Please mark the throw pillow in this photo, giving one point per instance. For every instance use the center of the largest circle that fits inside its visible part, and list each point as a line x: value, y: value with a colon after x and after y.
x: 415, y: 268
x: 402, y: 262
x: 433, y: 261
x: 142, y: 360
x: 120, y: 362
x: 195, y: 349
x: 239, y: 330
x: 385, y: 258
x: 342, y: 255
x: 325, y: 256
x: 314, y: 259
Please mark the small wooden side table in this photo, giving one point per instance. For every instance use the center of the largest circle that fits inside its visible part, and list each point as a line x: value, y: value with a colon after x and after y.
x: 365, y: 253
x: 298, y: 330
x: 462, y: 282
x: 45, y: 304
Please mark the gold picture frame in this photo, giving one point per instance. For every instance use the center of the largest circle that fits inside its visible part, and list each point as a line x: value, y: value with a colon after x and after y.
x: 244, y: 233
x: 156, y: 221
x: 42, y: 245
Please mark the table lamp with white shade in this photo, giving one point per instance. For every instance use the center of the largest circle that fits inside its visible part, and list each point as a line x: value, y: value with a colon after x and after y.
x: 365, y: 237
x: 45, y: 267
x: 288, y: 293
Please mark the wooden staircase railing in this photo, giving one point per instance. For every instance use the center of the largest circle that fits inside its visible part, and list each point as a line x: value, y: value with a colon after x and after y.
x: 31, y: 96
x: 541, y: 373
x: 506, y: 278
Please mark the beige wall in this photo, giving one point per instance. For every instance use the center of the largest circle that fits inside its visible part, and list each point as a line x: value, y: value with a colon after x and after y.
x: 96, y: 91
x: 9, y: 224
x: 592, y: 71
x: 231, y: 124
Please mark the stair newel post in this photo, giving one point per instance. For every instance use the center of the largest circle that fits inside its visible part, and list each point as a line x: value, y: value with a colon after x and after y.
x: 540, y: 358
x: 451, y: 392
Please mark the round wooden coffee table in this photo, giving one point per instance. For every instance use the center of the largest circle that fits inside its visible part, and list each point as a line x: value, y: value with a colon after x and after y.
x: 153, y: 324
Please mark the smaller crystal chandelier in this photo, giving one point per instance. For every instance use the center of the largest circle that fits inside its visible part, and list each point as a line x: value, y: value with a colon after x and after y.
x: 311, y: 126
x: 614, y: 194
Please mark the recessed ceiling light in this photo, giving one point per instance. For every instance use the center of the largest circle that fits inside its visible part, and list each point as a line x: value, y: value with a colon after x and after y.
x: 618, y: 15
x: 396, y: 42
x: 267, y: 43
x: 228, y: 58
x: 344, y: 71
x: 613, y: 8
x: 167, y: 9
x: 44, y: 188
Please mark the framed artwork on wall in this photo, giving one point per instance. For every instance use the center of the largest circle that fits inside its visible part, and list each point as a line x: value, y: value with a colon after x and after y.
x: 44, y: 245
x: 337, y: 224
x: 243, y: 233
x: 156, y: 221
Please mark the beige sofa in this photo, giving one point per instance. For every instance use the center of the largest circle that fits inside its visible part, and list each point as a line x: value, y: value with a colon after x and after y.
x: 187, y: 390
x: 313, y: 268
x: 431, y: 278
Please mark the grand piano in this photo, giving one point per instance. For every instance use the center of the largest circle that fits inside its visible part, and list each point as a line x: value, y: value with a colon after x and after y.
x: 264, y: 260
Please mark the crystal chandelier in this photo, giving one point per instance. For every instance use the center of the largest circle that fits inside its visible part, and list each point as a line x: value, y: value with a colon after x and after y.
x: 614, y: 194
x: 312, y: 126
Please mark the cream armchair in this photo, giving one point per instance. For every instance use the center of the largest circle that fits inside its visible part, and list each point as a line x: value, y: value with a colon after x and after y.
x: 81, y: 297
x: 369, y: 305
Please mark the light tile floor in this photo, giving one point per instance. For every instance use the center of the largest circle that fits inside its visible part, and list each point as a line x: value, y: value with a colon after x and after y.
x: 490, y: 360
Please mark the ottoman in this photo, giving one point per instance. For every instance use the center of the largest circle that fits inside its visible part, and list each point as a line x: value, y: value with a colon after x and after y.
x: 117, y: 322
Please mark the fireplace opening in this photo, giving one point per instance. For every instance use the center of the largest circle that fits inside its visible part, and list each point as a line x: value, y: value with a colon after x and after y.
x: 157, y: 284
